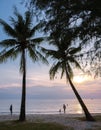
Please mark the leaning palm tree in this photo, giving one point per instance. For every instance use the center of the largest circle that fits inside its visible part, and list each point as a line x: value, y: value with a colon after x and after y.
x: 21, y: 44
x: 65, y: 58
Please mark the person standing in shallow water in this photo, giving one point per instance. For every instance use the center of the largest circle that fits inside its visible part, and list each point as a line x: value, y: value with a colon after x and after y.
x: 60, y: 111
x: 64, y: 108
x: 11, y: 109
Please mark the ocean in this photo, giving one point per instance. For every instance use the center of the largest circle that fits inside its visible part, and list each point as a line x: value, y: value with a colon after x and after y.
x: 45, y: 106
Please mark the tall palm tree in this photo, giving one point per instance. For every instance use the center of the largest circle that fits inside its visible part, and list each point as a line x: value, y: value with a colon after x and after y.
x: 21, y: 44
x: 65, y: 58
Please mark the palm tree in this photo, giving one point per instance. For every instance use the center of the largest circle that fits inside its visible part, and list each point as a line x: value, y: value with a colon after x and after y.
x: 21, y: 44
x: 65, y: 58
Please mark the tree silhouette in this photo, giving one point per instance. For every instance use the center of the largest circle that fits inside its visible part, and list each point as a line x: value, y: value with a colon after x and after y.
x: 64, y: 57
x: 83, y: 16
x: 21, y: 43
x: 64, y: 20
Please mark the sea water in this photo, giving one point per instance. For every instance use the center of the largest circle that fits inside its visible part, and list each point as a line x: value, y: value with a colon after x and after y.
x: 50, y: 106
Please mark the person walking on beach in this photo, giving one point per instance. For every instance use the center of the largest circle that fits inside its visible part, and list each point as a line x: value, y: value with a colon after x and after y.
x: 11, y: 109
x: 64, y: 108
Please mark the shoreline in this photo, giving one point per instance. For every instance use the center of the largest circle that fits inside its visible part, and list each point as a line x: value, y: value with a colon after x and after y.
x: 71, y: 120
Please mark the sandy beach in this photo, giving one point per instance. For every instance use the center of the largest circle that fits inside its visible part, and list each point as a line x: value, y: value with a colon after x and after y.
x: 64, y: 119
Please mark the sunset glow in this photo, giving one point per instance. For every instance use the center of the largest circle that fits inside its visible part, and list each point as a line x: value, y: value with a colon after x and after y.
x: 38, y: 79
x: 81, y: 79
x: 79, y: 109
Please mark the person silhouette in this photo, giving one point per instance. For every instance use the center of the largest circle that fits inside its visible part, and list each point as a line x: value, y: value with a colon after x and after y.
x: 11, y: 109
x: 60, y: 111
x: 64, y: 108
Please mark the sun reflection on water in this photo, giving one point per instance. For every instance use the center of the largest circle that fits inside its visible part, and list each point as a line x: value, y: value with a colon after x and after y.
x: 79, y: 109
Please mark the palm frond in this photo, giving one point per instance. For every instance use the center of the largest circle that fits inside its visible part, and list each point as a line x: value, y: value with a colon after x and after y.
x: 74, y: 50
x: 37, y: 40
x: 42, y: 58
x: 18, y: 15
x: 53, y: 54
x: 28, y: 19
x: 35, y: 28
x: 19, y: 25
x: 8, y: 29
x: 36, y: 55
x: 8, y: 43
x: 74, y: 61
x: 44, y: 51
x: 42, y: 54
x: 10, y: 53
x: 54, y: 69
x: 77, y: 64
x: 32, y: 53
x: 12, y: 20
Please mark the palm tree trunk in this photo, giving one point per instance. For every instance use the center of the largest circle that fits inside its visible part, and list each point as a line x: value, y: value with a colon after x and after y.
x: 23, y: 99
x: 87, y: 113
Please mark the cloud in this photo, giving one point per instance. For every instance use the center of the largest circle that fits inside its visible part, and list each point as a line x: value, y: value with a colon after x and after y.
x: 39, y: 84
x: 43, y: 92
x: 38, y: 92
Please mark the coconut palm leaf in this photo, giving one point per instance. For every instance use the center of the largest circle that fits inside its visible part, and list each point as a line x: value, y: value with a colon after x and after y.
x: 75, y: 50
x: 37, y: 40
x: 41, y: 56
x: 75, y: 62
x: 28, y: 19
x: 7, y: 28
x: 54, y: 69
x: 11, y: 53
x: 34, y: 29
x: 8, y: 42
x: 32, y: 53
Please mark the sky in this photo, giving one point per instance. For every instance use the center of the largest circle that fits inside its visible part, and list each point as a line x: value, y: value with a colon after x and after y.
x: 39, y: 84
